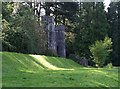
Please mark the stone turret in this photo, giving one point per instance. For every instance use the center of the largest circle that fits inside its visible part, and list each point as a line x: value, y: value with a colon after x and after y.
x: 60, y: 40
x: 51, y: 34
x: 55, y: 35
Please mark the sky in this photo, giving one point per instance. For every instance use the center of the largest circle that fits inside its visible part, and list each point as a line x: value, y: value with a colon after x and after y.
x: 107, y: 2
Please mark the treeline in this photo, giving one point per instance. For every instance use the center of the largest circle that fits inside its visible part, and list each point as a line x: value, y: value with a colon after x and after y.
x: 21, y: 30
x: 85, y: 24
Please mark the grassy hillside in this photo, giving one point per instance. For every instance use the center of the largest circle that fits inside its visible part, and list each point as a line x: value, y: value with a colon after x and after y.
x: 44, y: 71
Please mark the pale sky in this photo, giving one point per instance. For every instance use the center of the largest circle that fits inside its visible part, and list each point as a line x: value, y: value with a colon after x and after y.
x: 107, y: 2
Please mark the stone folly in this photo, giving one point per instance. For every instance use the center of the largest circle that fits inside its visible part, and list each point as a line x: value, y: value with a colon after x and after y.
x: 55, y: 36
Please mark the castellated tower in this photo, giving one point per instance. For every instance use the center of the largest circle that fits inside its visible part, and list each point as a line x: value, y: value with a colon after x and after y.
x: 55, y: 36
x: 51, y: 34
x: 60, y: 40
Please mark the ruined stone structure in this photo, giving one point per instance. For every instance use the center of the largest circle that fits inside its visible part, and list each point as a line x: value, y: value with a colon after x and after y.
x: 55, y: 35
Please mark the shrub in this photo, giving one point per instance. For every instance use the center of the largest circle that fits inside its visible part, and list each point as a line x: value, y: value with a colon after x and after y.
x: 109, y: 66
x: 101, y: 50
x: 50, y: 52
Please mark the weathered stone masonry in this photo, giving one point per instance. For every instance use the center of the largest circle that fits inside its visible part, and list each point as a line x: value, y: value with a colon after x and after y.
x: 55, y: 35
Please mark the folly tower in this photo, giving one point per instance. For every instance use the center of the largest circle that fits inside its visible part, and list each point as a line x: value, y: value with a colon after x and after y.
x: 60, y: 40
x: 55, y: 36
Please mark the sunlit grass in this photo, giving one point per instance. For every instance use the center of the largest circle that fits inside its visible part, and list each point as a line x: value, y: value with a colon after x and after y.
x: 24, y: 70
x: 47, y: 64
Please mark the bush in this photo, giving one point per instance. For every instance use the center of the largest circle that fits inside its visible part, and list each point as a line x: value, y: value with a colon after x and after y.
x: 100, y: 51
x: 51, y: 52
x: 109, y: 66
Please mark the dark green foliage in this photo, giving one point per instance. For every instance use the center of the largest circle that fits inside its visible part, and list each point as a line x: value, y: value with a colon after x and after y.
x: 61, y: 11
x: 50, y: 52
x: 113, y: 16
x: 7, y: 9
x: 69, y: 43
x: 92, y: 25
x: 23, y: 33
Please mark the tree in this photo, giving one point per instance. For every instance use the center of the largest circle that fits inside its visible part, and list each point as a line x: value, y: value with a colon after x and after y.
x: 22, y: 32
x: 92, y: 25
x: 100, y: 51
x: 113, y: 18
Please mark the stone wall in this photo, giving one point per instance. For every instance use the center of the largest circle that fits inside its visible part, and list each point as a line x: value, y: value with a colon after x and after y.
x: 55, y: 35
x: 60, y: 40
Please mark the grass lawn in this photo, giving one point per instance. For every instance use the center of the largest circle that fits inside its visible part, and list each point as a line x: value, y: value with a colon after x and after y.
x: 25, y: 70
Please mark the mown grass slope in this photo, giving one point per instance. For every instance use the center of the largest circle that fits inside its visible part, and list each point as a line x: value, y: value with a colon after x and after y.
x: 25, y: 70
